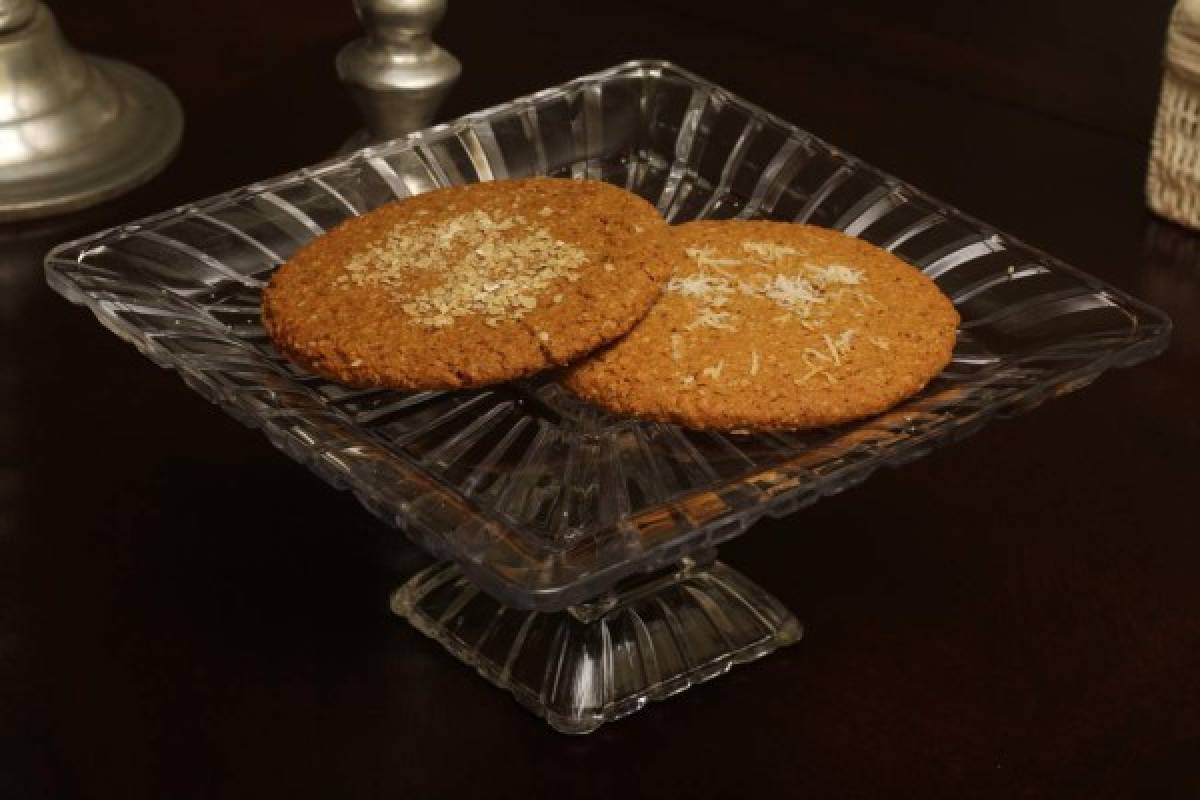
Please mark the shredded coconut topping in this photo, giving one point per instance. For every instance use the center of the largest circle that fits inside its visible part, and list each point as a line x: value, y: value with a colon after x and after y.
x: 711, y: 289
x: 799, y: 290
x: 835, y: 274
x: 494, y: 267
x: 797, y: 295
x: 707, y: 257
x: 822, y: 362
x: 769, y: 252
x: 714, y: 372
x: 708, y: 318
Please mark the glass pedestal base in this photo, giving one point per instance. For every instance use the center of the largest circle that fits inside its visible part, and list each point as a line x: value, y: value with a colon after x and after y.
x: 593, y: 663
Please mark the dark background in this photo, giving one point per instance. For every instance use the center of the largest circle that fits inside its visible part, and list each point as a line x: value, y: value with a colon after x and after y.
x: 186, y: 613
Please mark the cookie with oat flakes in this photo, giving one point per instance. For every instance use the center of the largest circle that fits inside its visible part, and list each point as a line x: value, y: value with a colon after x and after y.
x: 770, y: 325
x: 470, y: 285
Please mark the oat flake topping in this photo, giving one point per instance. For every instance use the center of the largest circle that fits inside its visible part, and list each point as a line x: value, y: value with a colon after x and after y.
x: 500, y: 265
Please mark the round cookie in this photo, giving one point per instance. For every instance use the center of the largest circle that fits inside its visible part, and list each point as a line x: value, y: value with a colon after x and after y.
x: 769, y: 325
x: 470, y: 285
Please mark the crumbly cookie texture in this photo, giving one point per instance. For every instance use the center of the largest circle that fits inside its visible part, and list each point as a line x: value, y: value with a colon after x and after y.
x: 468, y: 286
x: 769, y: 325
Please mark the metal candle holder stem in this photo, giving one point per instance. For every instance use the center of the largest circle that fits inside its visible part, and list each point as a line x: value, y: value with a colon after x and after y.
x: 396, y: 74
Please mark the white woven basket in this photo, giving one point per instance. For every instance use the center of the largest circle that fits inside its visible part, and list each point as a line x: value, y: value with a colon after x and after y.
x: 1173, y: 179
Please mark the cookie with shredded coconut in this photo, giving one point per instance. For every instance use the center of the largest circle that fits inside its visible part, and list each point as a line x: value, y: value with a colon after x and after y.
x: 472, y: 285
x: 768, y: 326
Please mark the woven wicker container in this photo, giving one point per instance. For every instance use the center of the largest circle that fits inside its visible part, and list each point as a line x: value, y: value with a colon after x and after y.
x: 1173, y: 179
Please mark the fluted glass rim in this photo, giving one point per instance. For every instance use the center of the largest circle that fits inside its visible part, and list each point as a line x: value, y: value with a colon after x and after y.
x: 510, y: 561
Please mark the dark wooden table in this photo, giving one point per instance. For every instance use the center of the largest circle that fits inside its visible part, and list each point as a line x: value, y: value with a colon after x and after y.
x: 186, y: 613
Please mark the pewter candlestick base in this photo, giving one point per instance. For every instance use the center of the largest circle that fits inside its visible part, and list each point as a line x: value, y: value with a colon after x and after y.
x: 74, y: 130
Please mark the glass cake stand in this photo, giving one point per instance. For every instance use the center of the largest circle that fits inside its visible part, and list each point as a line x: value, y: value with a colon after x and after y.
x: 577, y: 548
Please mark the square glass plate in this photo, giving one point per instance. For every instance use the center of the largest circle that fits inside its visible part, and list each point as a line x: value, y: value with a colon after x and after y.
x: 541, y: 500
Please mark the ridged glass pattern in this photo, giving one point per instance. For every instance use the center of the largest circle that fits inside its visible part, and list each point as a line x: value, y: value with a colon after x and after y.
x: 599, y: 662
x: 542, y: 501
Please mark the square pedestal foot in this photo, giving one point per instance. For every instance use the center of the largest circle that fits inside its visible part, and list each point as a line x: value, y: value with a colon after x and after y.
x: 594, y: 663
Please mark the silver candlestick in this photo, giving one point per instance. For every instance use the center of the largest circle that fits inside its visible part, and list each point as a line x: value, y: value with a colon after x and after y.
x: 74, y: 130
x: 396, y: 74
